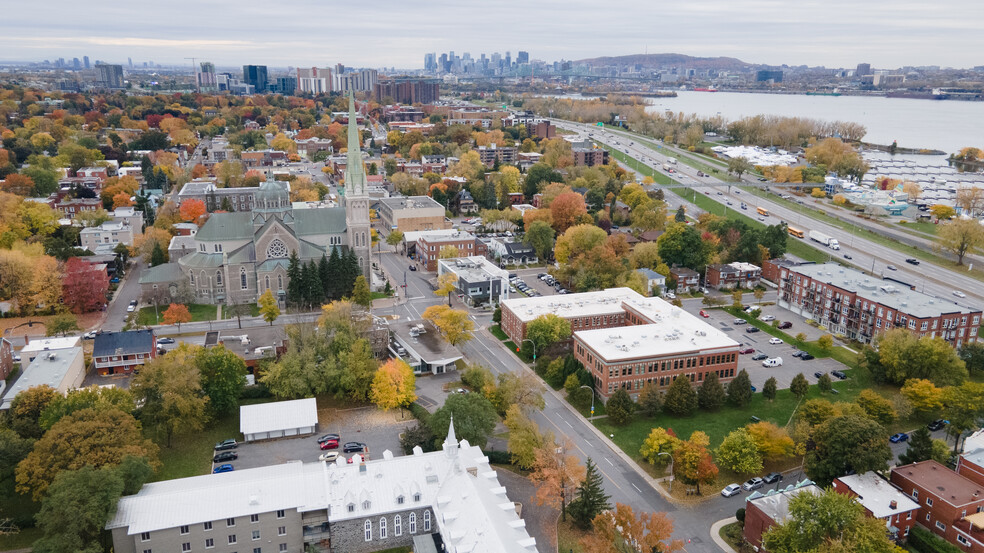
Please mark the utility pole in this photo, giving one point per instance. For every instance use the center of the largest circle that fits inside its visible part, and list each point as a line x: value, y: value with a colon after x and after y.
x: 194, y: 73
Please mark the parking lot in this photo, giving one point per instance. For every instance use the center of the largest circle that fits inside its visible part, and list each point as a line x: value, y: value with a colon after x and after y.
x: 379, y: 430
x: 535, y: 284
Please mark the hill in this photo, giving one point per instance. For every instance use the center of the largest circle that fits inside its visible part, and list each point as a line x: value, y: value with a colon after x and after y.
x: 658, y: 61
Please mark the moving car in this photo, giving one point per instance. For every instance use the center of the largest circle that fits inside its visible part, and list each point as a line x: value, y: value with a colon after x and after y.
x: 759, y: 357
x: 743, y: 351
x: 784, y: 325
x: 225, y: 456
x: 752, y: 329
x: 223, y: 468
x: 354, y: 447
x: 772, y: 362
x: 938, y: 424
x: 413, y: 267
x: 959, y: 294
x: 775, y: 341
x: 327, y: 437
x: 226, y: 444
x: 731, y: 490
x: 891, y: 268
x: 772, y: 478
x: 900, y: 437
x: 839, y: 374
x: 847, y: 256
x: 740, y: 321
x: 163, y: 341
x: 328, y: 457
x: 704, y: 314
x: 753, y: 484
x: 912, y: 261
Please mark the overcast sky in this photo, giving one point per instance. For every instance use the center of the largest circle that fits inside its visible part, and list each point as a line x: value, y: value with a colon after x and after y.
x: 388, y: 33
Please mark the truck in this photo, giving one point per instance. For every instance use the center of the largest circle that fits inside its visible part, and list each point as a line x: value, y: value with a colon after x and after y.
x: 668, y: 169
x: 672, y: 161
x: 822, y: 238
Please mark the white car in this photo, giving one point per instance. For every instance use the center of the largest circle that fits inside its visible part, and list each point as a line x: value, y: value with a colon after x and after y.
x: 328, y: 457
x: 670, y: 296
x: 768, y: 318
x: 959, y: 294
x: 775, y: 341
x: 772, y: 362
x: 131, y: 308
x: 730, y: 490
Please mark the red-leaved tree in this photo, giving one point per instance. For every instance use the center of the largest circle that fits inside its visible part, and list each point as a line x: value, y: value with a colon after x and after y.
x: 84, y: 285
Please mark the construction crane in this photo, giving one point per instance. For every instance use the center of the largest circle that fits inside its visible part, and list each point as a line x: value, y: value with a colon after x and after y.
x: 194, y: 73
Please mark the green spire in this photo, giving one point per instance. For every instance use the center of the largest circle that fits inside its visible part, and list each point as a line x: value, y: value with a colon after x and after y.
x: 355, y: 174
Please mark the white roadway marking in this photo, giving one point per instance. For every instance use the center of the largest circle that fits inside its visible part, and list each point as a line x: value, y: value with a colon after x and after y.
x: 636, y: 487
x: 569, y: 424
x: 609, y: 461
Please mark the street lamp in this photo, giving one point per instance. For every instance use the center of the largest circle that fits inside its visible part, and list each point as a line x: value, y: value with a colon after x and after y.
x: 534, y: 350
x: 671, y: 467
x: 156, y: 316
x: 592, y: 398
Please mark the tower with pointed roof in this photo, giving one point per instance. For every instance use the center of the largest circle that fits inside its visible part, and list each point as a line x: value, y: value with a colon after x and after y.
x: 356, y: 195
x: 451, y: 442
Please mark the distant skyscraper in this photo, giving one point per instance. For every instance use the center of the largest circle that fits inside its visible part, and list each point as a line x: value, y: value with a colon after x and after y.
x: 316, y: 80
x: 206, y: 77
x: 256, y: 76
x: 109, y: 76
x: 522, y: 57
x: 76, y: 64
x: 85, y: 61
x: 863, y: 69
x: 129, y: 61
x: 508, y: 60
x: 430, y: 62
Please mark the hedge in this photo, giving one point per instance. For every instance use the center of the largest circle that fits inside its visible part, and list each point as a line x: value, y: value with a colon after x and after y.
x: 419, y: 413
x: 924, y: 541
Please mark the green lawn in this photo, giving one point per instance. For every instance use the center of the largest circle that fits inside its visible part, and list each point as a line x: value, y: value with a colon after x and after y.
x: 639, y: 167
x: 496, y: 331
x: 921, y: 227
x: 254, y: 311
x: 199, y: 312
x: 21, y: 509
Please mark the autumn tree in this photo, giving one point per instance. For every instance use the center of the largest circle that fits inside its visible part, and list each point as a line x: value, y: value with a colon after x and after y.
x: 361, y: 294
x: 446, y: 284
x: 693, y: 463
x: 26, y: 409
x: 942, y: 212
x: 192, y: 210
x: 547, y: 330
x: 923, y: 395
x: 62, y: 323
x: 901, y: 355
x: 846, y: 443
x: 525, y: 438
x: 268, y: 307
x: 650, y: 402
x: 84, y: 286
x: 963, y: 406
x: 556, y: 473
x: 394, y: 385
x: 96, y: 438
x: 522, y: 389
x: 960, y: 237
x: 622, y: 531
x: 93, y: 397
x: 880, y: 409
x: 453, y: 324
x: 658, y: 442
x: 169, y: 388
x: 739, y: 453
x: 772, y: 442
x: 176, y: 314
x: 738, y: 166
x: 770, y: 388
x: 394, y: 238
x: 827, y: 521
x: 566, y: 210
x: 448, y: 252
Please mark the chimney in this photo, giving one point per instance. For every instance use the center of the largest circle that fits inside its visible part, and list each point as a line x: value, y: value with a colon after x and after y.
x: 893, y: 505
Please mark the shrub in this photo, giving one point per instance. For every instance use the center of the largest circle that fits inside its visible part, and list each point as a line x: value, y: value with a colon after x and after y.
x: 924, y: 541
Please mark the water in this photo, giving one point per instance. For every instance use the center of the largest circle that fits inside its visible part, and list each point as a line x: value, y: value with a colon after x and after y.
x: 932, y: 124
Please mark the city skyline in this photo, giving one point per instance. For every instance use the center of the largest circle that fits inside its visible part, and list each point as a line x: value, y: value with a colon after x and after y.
x: 770, y: 32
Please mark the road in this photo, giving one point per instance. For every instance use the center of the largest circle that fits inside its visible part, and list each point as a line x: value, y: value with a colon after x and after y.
x: 864, y: 254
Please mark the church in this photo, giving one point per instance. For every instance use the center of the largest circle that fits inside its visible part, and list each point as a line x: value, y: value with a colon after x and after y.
x: 239, y: 256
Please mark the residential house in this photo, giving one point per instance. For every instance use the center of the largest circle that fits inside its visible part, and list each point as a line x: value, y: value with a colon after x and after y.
x: 763, y: 511
x: 655, y: 282
x: 509, y: 251
x: 106, y: 237
x: 687, y: 280
x: 62, y: 368
x: 947, y: 500
x: 881, y: 500
x: 123, y: 352
x: 733, y: 275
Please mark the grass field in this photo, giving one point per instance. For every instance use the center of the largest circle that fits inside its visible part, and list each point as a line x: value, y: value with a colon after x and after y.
x: 199, y: 312
x: 254, y: 311
x: 928, y: 230
x: 496, y: 331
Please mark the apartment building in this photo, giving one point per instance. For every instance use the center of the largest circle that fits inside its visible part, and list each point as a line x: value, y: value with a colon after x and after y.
x: 429, y: 246
x: 60, y: 368
x: 408, y: 91
x: 106, y: 236
x: 590, y: 156
x: 848, y: 302
x: 763, y: 511
x: 951, y: 505
x: 489, y: 154
x: 123, y: 352
x: 687, y: 280
x: 881, y: 500
x: 72, y: 207
x: 412, y: 213
x: 733, y: 275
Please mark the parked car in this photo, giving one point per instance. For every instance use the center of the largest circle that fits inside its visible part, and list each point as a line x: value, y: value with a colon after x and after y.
x: 226, y: 444
x: 740, y: 321
x: 328, y: 457
x: 704, y: 314
x: 772, y: 362
x: 223, y: 468
x: 912, y: 261
x: 775, y: 341
x: 115, y: 280
x: 743, y: 351
x: 806, y: 357
x: 131, y: 308
x: 900, y: 437
x: 91, y: 335
x: 752, y: 329
x: 225, y: 456
x: 731, y: 490
x: 784, y: 325
x: 798, y: 353
x: 753, y: 483
x: 938, y: 424
x: 818, y: 374
x: 163, y: 341
x: 354, y: 447
x: 413, y: 267
x: 839, y: 374
x: 768, y: 318
x: 327, y: 437
x: 759, y: 357
x: 772, y: 478
x: 329, y: 444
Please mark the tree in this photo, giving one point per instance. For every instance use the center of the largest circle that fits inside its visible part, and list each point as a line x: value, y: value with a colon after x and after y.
x: 622, y: 531
x: 739, y: 166
x: 828, y: 521
x: 923, y: 395
x: 920, y: 447
x: 772, y: 442
x: 739, y: 453
x: 170, y: 391
x: 680, y: 399
x: 453, y: 324
x: 394, y: 238
x: 295, y: 282
x: 682, y: 245
x: 360, y: 293
x: 943, y: 212
x: 566, y: 210
x: 824, y: 384
x: 960, y: 237
x: 972, y: 354
x: 846, y: 443
x: 547, y: 330
x: 555, y: 471
x: 176, y: 314
x: 878, y: 408
x: 223, y: 378
x: 522, y: 389
x: 446, y: 284
x: 157, y: 255
x: 963, y: 406
x: 770, y: 388
x: 659, y: 441
x: 693, y: 463
x: 590, y: 498
x: 474, y: 419
x: 681, y: 215
x: 650, y: 401
x: 525, y: 438
x: 77, y: 507
x: 901, y: 356
x: 268, y: 307
x: 95, y: 437
x: 540, y: 236
x: 26, y: 408
x: 13, y: 450
x: 78, y: 399
x: 740, y: 389
x: 84, y: 286
x: 799, y: 386
x: 62, y: 324
x: 394, y: 385
x: 711, y: 394
x: 620, y: 407
x: 192, y: 210
x: 825, y: 342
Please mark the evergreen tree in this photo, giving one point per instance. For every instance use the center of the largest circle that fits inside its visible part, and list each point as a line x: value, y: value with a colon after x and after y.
x: 350, y: 271
x: 681, y: 215
x: 295, y: 283
x: 312, y: 290
x: 146, y: 166
x: 799, y: 386
x: 740, y: 390
x: 157, y: 255
x: 226, y: 205
x: 325, y: 275
x: 334, y: 280
x: 650, y: 402
x: 920, y: 447
x: 681, y: 399
x: 770, y: 388
x: 619, y: 407
x: 710, y: 395
x: 824, y: 383
x: 590, y: 498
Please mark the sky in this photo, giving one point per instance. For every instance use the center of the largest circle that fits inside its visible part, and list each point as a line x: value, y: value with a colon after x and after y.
x: 395, y: 33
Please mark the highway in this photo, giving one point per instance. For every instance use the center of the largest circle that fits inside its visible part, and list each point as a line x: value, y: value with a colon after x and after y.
x: 864, y: 254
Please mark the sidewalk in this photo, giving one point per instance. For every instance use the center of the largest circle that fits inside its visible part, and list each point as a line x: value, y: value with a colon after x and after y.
x: 716, y: 534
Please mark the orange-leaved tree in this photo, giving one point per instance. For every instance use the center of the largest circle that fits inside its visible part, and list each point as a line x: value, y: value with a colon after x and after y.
x: 192, y: 210
x: 622, y: 530
x: 176, y: 314
x: 557, y: 472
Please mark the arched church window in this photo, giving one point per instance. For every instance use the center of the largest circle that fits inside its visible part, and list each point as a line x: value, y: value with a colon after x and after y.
x: 218, y: 278
x: 277, y: 249
x: 268, y: 282
x: 242, y: 278
x: 280, y: 282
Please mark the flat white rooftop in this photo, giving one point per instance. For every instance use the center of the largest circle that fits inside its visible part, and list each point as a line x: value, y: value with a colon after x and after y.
x: 278, y: 415
x: 41, y: 344
x: 584, y: 304
x: 877, y: 494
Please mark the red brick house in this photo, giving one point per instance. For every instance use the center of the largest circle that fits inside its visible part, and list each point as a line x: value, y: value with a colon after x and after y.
x: 6, y: 358
x: 123, y: 352
x: 971, y: 465
x: 881, y: 500
x: 763, y: 511
x: 686, y: 279
x: 950, y: 504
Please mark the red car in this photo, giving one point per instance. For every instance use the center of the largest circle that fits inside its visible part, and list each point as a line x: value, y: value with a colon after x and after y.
x: 743, y: 351
x: 329, y: 444
x: 704, y: 314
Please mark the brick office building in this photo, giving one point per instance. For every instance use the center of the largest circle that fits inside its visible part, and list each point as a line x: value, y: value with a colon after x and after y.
x: 429, y: 246
x: 881, y: 500
x: 950, y: 504
x: 846, y: 301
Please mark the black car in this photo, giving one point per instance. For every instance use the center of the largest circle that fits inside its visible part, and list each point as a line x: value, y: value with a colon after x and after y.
x: 759, y: 357
x: 752, y: 329
x: 798, y: 353
x: 225, y: 457
x: 329, y: 437
x: 772, y: 478
x: 806, y: 356
x: 413, y: 267
x: 784, y: 325
x: 354, y: 447
x: 227, y: 444
x: 912, y: 261
x: 938, y: 424
x: 839, y: 374
x: 818, y: 374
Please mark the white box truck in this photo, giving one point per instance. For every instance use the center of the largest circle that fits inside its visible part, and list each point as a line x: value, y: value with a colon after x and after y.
x: 822, y: 238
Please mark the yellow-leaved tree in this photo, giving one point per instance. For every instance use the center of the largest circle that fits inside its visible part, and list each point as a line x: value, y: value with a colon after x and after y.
x: 453, y: 324
x: 393, y: 385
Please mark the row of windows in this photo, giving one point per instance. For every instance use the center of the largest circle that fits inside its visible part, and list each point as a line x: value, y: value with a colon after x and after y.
x: 664, y: 381
x: 397, y: 526
x: 399, y: 500
x: 230, y: 523
x: 676, y: 364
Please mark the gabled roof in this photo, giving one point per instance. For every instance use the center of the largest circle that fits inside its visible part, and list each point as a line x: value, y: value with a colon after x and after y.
x: 123, y: 343
x: 166, y: 273
x: 329, y: 220
x: 278, y: 415
x: 227, y: 226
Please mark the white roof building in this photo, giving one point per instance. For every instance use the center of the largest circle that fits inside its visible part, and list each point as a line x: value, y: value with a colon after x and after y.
x: 278, y: 419
x: 584, y: 304
x: 31, y: 349
x: 876, y: 494
x: 61, y: 369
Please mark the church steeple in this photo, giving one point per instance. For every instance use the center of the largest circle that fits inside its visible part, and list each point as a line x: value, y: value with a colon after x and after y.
x: 355, y: 174
x: 451, y: 442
